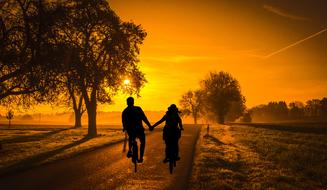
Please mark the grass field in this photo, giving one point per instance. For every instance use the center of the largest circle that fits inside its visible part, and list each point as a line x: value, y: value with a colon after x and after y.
x: 26, y: 146
x: 262, y: 156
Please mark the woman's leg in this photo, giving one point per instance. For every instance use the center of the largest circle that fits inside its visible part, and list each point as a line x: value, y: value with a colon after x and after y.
x: 177, y: 149
x: 166, y: 151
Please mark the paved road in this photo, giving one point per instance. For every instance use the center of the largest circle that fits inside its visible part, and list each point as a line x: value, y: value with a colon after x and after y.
x: 108, y: 168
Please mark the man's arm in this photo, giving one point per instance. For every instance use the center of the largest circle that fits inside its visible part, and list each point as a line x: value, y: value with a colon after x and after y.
x: 145, y: 119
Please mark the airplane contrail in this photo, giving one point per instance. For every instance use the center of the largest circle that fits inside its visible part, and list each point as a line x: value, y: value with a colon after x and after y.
x: 296, y: 43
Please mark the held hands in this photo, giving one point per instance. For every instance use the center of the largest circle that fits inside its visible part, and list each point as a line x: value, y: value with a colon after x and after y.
x: 151, y: 127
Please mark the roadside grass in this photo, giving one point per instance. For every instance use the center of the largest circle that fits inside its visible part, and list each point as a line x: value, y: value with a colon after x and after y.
x: 217, y: 165
x: 304, y: 153
x: 245, y: 157
x: 25, y: 147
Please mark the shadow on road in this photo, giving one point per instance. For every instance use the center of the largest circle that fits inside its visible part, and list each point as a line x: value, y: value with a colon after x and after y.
x: 31, y: 138
x: 213, y: 139
x: 37, y: 159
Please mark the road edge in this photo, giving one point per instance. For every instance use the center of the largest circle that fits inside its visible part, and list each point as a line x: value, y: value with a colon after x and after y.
x: 196, y: 156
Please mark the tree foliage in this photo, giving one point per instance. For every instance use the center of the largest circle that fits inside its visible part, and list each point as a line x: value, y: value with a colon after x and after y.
x: 296, y: 110
x: 315, y: 109
x: 191, y: 104
x: 10, y: 116
x: 102, y: 51
x: 222, y: 95
x: 75, y: 47
x: 236, y: 110
x: 25, y: 43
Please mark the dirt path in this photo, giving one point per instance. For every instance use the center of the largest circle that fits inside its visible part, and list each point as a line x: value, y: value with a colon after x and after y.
x: 108, y: 168
x: 224, y: 163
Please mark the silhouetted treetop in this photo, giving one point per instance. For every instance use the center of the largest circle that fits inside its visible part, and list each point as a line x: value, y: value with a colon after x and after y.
x: 191, y: 104
x: 221, y: 93
x: 25, y: 37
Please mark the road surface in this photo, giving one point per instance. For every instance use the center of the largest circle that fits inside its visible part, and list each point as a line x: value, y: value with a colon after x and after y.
x: 108, y: 168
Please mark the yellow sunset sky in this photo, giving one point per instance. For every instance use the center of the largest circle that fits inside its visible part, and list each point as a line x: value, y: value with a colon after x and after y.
x: 275, y: 49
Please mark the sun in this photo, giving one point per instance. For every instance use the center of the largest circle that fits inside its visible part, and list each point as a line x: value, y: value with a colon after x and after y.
x: 127, y: 82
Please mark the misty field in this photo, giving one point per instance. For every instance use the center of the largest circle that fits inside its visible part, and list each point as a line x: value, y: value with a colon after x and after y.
x: 26, y: 146
x: 262, y: 156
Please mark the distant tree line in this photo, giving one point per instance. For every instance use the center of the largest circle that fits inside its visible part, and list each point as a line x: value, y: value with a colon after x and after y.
x: 315, y: 109
x: 219, y: 99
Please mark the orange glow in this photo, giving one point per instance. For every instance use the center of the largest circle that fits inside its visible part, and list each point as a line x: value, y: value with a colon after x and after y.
x: 187, y: 39
x: 276, y: 51
x: 127, y: 82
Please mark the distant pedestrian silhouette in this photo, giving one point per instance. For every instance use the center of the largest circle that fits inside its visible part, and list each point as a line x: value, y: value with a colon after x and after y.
x: 172, y: 129
x: 132, y: 118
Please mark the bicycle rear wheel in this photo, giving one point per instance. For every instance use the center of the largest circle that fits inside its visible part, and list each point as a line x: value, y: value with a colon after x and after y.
x: 171, y: 155
x: 171, y: 166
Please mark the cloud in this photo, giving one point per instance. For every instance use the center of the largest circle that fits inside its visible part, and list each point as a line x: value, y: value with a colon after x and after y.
x: 283, y: 13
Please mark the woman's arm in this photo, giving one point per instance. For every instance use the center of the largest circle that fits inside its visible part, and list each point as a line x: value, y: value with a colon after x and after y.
x: 160, y: 121
x: 180, y: 124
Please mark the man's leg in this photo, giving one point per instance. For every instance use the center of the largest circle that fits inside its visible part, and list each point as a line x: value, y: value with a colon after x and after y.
x: 142, y: 145
x: 177, y: 150
x: 130, y: 141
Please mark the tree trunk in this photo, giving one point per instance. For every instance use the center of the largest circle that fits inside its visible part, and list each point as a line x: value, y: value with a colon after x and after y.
x: 91, y: 108
x: 78, y: 119
x: 9, y: 123
x: 92, y: 112
x: 195, y: 120
x: 92, y: 129
x: 194, y: 114
x: 78, y: 110
x: 221, y: 119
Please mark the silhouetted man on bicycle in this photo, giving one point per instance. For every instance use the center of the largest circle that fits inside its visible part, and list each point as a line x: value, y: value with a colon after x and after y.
x: 132, y: 118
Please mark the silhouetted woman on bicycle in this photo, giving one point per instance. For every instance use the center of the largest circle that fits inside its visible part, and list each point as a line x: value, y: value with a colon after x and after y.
x: 172, y: 130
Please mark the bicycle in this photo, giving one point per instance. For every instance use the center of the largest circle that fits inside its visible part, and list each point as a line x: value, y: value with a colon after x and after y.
x: 172, y: 155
